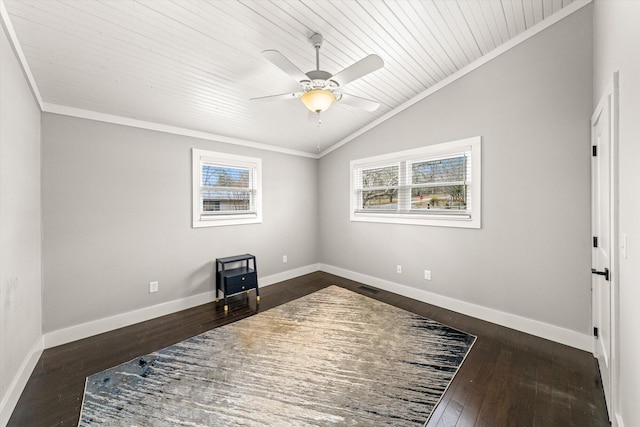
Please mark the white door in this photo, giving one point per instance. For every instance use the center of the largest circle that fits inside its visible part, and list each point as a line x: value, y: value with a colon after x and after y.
x: 603, y: 224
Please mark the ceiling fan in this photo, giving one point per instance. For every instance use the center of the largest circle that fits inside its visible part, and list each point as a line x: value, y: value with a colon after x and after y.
x: 320, y: 89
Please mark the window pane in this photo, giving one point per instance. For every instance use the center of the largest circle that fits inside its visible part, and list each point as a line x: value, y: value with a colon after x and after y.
x: 380, y: 177
x: 225, y: 201
x: 450, y: 197
x: 222, y: 176
x: 441, y: 170
x: 218, y: 194
x: 380, y: 199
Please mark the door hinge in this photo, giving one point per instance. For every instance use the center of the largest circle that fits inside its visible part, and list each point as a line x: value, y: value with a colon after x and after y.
x: 604, y: 273
x: 594, y: 150
x: 595, y: 332
x: 595, y: 242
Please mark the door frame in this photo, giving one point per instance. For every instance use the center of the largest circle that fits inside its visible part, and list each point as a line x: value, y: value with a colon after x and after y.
x: 611, y: 95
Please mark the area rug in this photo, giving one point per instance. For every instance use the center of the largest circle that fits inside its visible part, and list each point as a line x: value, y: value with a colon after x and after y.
x: 333, y: 357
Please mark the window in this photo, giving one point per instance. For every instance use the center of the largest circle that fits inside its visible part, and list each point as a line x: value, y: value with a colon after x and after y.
x: 433, y: 185
x: 226, y: 189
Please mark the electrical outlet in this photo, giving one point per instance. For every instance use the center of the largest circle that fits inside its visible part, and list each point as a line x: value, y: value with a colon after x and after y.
x: 427, y: 275
x: 399, y: 269
x: 284, y: 258
x: 153, y: 287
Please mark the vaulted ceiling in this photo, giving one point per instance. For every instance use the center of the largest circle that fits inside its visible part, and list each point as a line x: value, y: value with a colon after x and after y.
x: 195, y: 64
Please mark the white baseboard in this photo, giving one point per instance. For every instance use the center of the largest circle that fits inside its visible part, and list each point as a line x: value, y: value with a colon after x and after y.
x: 99, y: 326
x: 289, y: 274
x: 95, y: 327
x: 619, y: 422
x: 523, y: 324
x: 10, y: 399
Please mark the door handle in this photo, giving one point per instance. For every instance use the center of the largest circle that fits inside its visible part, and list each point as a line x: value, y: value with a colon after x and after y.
x: 604, y: 273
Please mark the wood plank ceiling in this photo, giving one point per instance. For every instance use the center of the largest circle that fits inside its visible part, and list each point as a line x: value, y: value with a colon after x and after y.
x: 194, y: 64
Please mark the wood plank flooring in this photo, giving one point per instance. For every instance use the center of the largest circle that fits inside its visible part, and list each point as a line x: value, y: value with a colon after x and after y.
x: 508, y: 379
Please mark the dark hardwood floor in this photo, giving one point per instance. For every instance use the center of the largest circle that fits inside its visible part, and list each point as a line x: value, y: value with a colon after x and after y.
x: 508, y: 379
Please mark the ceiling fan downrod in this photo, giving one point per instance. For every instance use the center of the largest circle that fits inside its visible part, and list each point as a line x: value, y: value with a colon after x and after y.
x: 316, y: 40
x: 318, y: 79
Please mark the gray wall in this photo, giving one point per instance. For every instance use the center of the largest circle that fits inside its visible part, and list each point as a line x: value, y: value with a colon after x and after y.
x: 531, y: 258
x: 117, y: 215
x: 616, y: 35
x: 20, y: 219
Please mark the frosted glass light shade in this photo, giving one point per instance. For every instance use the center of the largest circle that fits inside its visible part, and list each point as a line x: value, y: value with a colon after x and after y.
x: 318, y: 100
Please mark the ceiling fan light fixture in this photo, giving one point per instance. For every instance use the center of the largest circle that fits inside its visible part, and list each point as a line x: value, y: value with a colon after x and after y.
x: 318, y: 100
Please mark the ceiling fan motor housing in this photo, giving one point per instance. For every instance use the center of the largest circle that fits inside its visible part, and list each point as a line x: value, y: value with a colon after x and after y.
x: 319, y: 79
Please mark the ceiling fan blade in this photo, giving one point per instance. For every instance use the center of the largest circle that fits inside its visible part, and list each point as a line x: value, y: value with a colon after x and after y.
x: 280, y: 97
x: 361, y: 68
x: 281, y: 61
x: 356, y: 101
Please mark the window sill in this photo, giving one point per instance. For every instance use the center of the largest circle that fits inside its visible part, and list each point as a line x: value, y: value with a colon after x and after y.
x: 218, y: 222
x: 457, y: 221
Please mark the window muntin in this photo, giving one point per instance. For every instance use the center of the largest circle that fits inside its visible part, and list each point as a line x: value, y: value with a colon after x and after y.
x: 433, y: 185
x: 226, y: 189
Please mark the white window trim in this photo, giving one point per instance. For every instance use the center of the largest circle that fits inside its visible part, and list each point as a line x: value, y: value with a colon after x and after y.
x: 198, y: 156
x: 444, y: 220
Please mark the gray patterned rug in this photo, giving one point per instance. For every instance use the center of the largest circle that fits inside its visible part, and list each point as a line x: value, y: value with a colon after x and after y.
x: 334, y: 357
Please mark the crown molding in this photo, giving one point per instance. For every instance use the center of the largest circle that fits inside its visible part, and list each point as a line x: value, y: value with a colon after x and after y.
x: 159, y: 127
